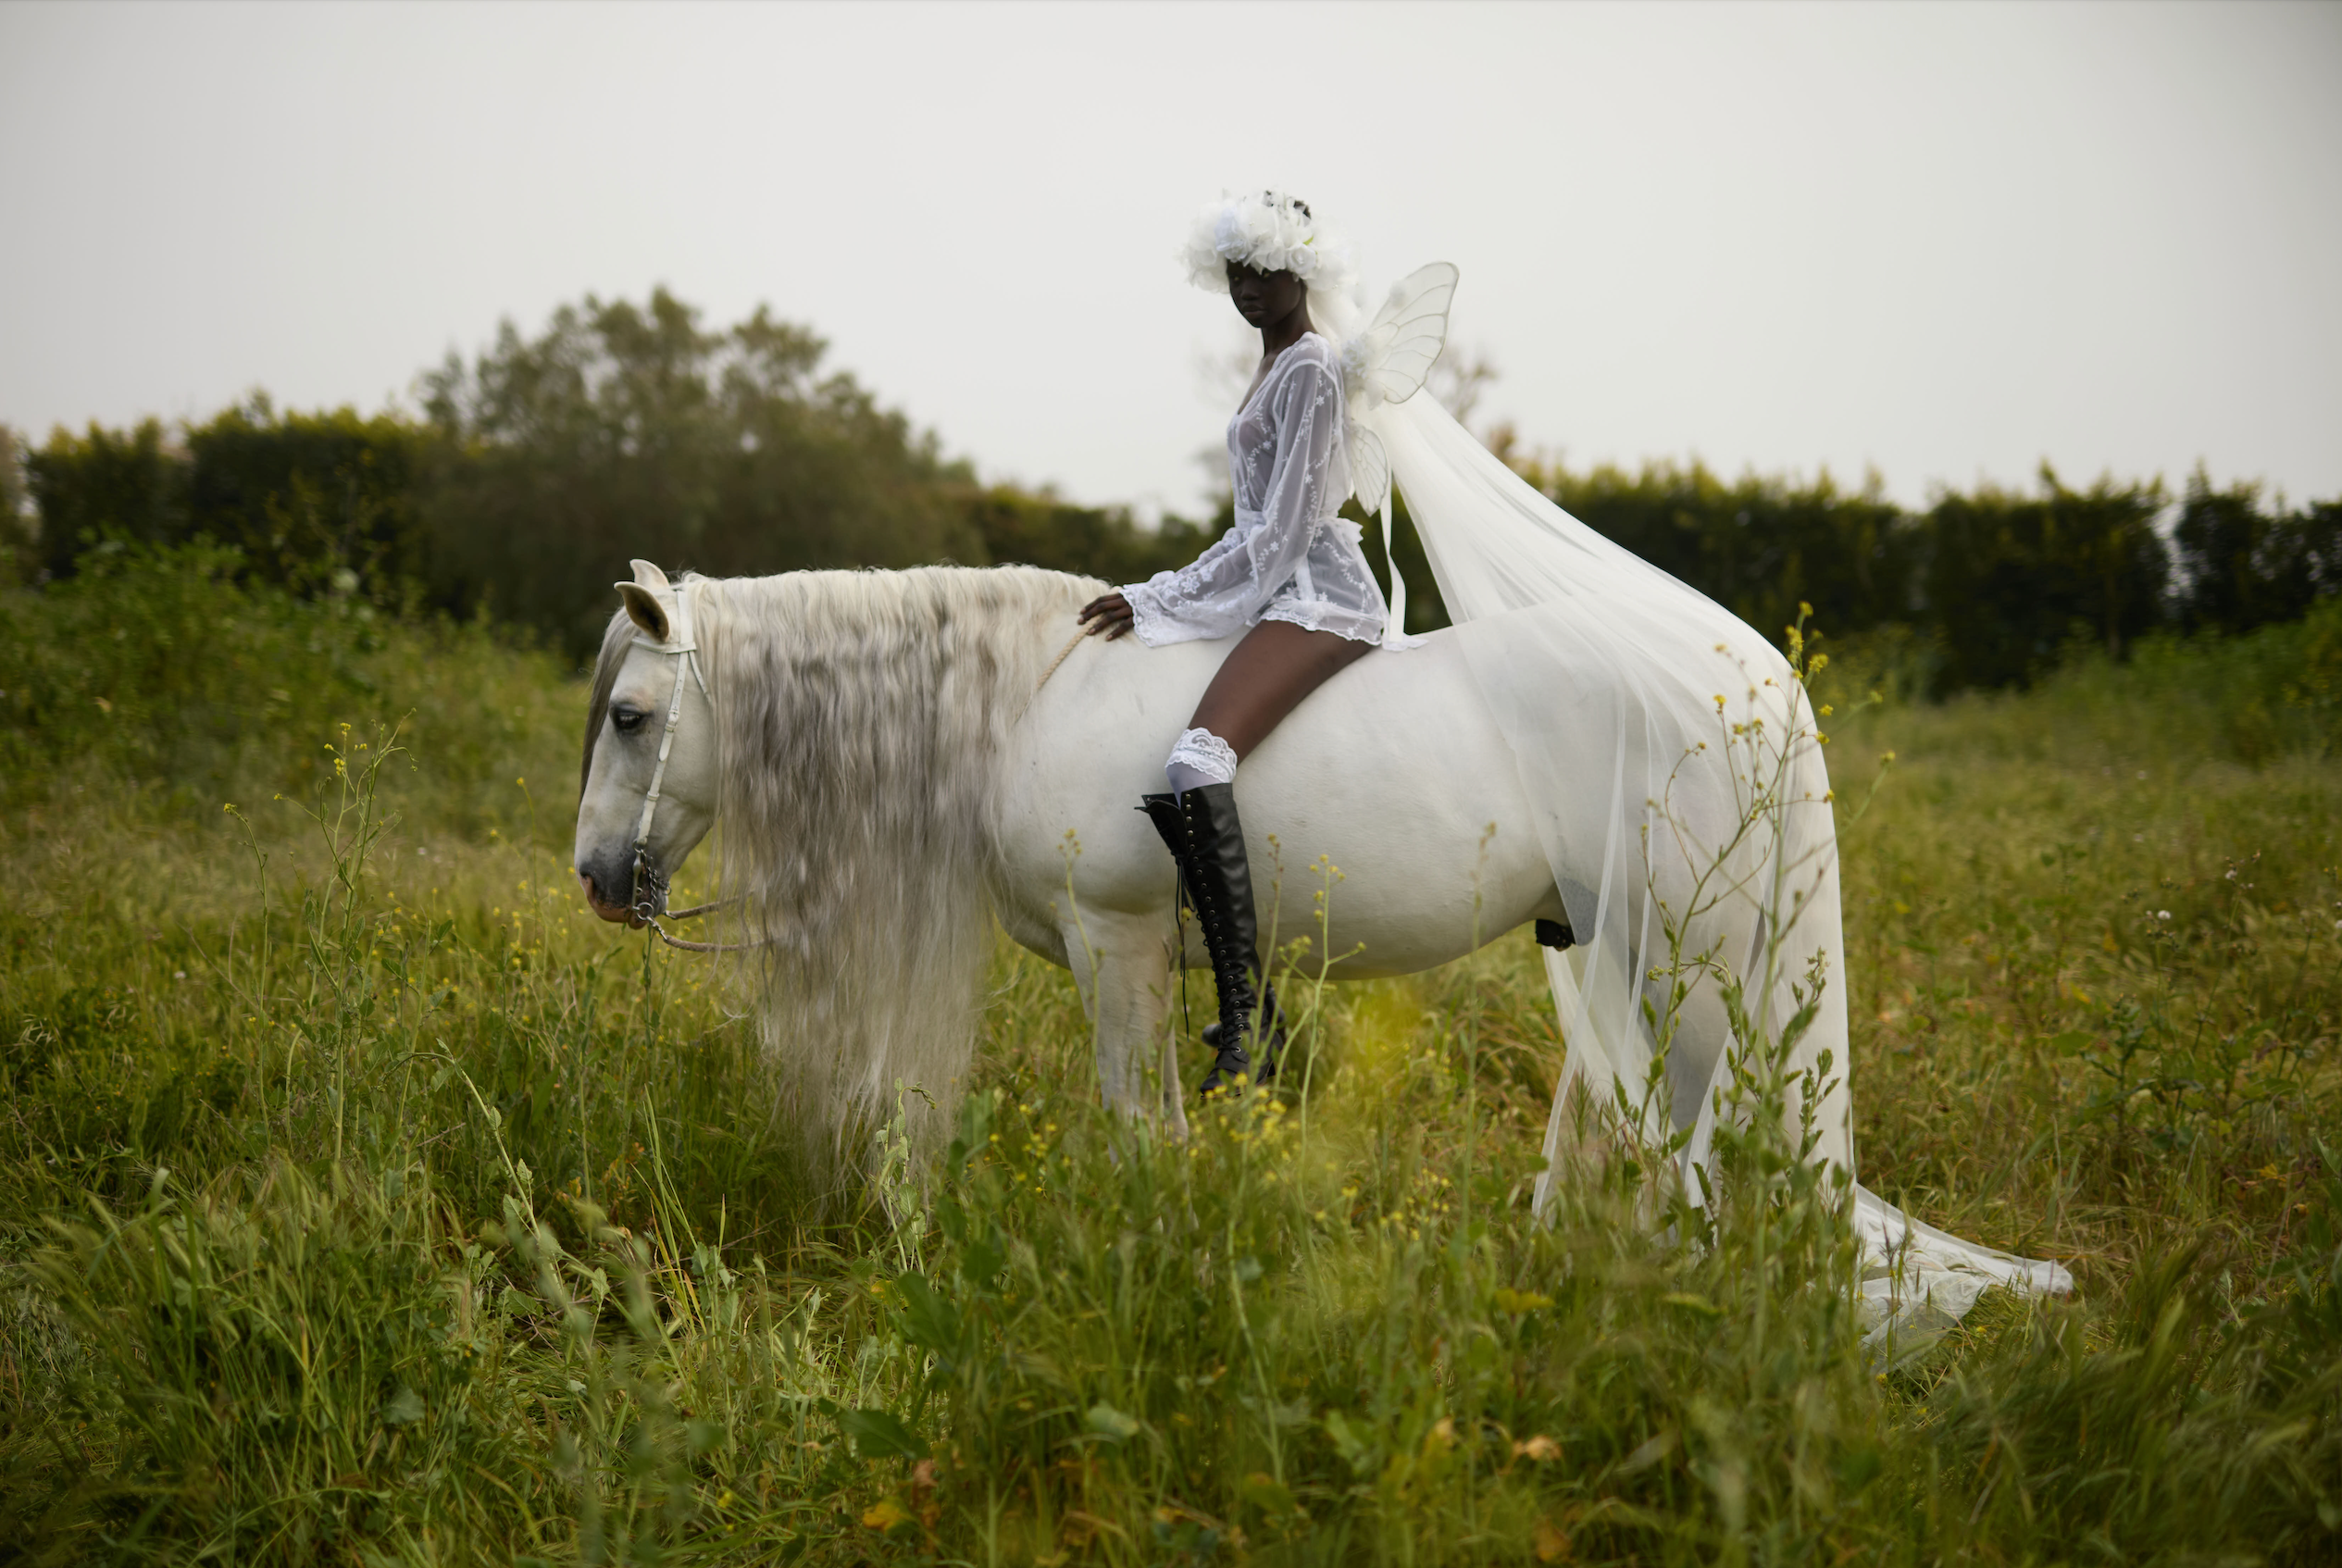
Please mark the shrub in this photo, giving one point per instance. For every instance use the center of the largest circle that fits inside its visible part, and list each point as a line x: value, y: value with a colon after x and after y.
x: 156, y: 667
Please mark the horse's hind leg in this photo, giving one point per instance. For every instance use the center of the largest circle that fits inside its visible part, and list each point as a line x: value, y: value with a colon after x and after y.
x: 1121, y: 965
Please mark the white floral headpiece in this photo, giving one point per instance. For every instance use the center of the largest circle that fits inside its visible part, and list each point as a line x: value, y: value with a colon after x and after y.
x: 1271, y: 232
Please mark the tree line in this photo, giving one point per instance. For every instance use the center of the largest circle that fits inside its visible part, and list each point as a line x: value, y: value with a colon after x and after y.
x: 1990, y: 586
x: 540, y: 466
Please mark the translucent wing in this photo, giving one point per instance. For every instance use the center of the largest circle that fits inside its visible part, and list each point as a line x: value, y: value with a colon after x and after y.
x: 1384, y: 364
x: 1388, y: 362
x: 1369, y: 472
x: 1370, y: 482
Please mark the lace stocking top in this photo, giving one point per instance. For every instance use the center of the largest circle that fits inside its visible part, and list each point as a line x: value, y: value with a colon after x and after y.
x: 1289, y: 557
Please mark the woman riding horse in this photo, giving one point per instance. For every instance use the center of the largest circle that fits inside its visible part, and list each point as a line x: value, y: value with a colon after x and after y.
x: 1290, y: 571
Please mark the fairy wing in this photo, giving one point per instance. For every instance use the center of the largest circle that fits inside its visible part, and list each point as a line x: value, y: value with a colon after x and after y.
x: 1369, y: 472
x: 1384, y: 364
x: 1388, y: 362
x: 1370, y: 482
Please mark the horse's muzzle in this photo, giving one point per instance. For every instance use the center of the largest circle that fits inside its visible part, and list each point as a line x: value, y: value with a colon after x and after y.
x: 612, y: 912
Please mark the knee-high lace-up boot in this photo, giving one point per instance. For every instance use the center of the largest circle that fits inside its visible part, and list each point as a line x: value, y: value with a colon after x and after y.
x: 1205, y: 837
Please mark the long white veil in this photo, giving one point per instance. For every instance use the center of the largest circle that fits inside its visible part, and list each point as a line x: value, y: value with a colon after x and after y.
x: 1680, y: 794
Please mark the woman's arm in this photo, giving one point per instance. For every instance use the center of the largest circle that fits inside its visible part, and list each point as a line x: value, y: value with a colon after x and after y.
x: 1225, y: 589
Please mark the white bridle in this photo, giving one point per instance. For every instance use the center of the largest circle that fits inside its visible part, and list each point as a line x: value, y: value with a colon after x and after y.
x: 682, y: 647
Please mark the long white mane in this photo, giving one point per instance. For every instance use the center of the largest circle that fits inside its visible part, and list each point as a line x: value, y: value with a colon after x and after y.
x: 860, y: 717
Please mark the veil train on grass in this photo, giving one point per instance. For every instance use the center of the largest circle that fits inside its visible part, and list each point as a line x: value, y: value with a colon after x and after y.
x: 1703, y: 843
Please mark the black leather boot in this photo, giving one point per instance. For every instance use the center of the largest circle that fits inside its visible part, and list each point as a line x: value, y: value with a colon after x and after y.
x: 1269, y: 1030
x: 1201, y: 830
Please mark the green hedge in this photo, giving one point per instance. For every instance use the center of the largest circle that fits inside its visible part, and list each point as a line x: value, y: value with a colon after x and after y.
x: 545, y: 463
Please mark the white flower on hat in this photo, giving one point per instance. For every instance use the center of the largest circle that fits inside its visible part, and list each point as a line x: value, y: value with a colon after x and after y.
x: 1271, y: 231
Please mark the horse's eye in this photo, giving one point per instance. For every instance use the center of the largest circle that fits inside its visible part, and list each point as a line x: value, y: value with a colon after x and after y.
x: 628, y: 720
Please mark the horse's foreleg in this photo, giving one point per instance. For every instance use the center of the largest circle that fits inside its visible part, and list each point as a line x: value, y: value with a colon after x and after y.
x: 1175, y: 1106
x: 1122, y: 969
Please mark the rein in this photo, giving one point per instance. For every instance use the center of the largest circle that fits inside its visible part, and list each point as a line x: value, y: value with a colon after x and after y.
x: 688, y: 651
x: 1061, y: 656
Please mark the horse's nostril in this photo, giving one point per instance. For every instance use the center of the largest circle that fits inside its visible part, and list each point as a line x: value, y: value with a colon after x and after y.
x: 601, y: 904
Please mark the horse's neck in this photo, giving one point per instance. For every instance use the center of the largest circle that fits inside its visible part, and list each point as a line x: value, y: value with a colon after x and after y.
x: 1004, y: 627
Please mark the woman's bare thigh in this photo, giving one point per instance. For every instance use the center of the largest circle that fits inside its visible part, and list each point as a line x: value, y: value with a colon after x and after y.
x: 1266, y: 675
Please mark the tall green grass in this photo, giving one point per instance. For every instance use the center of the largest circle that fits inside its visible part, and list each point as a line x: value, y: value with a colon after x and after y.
x: 358, y: 1204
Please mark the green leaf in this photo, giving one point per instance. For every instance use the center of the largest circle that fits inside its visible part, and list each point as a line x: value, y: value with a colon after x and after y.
x: 983, y: 1258
x: 402, y: 1409
x: 929, y: 1321
x: 1859, y: 1466
x: 1356, y: 1446
x: 1266, y: 1493
x: 879, y: 1434
x: 1106, y: 1421
x: 976, y: 1130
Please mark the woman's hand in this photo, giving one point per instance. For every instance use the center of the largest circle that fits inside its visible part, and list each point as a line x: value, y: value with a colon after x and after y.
x: 1109, y: 613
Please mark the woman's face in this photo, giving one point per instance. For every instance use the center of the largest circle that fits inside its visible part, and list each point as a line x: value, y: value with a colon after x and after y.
x: 1263, y: 297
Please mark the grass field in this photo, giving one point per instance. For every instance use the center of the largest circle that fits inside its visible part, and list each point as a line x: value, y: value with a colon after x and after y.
x: 362, y: 1199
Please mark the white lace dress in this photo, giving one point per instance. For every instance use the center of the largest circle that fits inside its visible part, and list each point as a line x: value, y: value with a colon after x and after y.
x: 1289, y: 557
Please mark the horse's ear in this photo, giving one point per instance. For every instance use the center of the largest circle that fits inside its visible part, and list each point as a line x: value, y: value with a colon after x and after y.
x: 643, y: 607
x: 650, y: 577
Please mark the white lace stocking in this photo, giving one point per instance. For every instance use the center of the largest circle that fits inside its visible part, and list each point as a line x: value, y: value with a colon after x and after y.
x: 1200, y: 757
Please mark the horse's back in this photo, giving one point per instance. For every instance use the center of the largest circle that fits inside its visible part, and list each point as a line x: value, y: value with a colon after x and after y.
x: 1391, y: 775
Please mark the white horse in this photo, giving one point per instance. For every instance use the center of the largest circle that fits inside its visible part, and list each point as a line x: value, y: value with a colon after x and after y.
x: 896, y: 758
x: 889, y: 765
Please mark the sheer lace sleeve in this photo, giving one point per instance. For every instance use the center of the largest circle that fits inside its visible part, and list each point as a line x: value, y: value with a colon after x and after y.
x: 1225, y: 589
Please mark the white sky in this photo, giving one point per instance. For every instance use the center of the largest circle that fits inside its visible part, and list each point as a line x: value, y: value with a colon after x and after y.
x: 1947, y: 242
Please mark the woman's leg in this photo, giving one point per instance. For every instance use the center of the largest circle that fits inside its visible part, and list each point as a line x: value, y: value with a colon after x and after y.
x: 1265, y: 677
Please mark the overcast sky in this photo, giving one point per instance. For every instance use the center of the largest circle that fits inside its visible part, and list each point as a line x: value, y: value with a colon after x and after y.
x: 1947, y: 243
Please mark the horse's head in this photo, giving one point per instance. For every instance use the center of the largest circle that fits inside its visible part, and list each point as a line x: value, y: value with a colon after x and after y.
x: 647, y: 792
